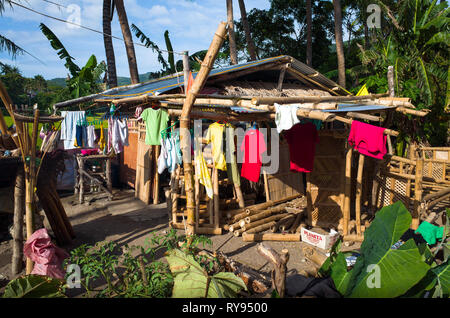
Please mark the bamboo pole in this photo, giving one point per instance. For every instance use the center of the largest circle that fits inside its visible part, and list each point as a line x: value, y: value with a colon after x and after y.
x: 19, y: 200
x: 353, y: 238
x: 156, y: 176
x: 349, y: 122
x: 347, y: 192
x: 261, y: 228
x: 236, y: 215
x: 30, y: 184
x: 363, y: 116
x: 418, y: 193
x: 414, y: 112
x: 311, y: 99
x: 216, y: 196
x: 312, y: 114
x: 359, y: 193
x: 258, y: 216
x: 198, y: 84
x: 8, y: 104
x: 3, y: 126
x: 296, y: 237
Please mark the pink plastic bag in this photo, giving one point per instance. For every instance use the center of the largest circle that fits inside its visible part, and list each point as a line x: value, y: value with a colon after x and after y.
x: 46, y: 256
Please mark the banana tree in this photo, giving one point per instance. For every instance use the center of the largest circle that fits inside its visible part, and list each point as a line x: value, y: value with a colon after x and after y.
x: 83, y: 81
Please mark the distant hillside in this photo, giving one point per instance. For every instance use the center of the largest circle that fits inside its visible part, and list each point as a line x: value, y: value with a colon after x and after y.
x: 57, y: 82
x: 127, y: 81
x: 120, y: 80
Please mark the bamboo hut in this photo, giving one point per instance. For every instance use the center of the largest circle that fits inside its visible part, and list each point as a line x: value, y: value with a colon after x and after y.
x: 340, y: 187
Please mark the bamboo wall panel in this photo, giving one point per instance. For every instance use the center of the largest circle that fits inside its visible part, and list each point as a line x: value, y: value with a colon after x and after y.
x: 128, y: 158
x: 393, y: 189
x: 325, y: 182
x: 285, y: 183
x: 144, y: 168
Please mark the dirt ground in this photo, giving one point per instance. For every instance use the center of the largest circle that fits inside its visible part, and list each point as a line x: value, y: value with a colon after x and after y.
x: 127, y: 220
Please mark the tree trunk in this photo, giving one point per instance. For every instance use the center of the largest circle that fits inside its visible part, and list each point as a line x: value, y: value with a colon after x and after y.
x: 250, y: 44
x: 339, y: 41
x: 107, y: 39
x: 131, y: 55
x: 279, y: 263
x: 308, y: 33
x: 231, y: 35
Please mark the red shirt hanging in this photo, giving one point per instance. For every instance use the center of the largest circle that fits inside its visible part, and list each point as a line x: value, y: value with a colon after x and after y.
x: 253, y: 147
x: 302, y: 139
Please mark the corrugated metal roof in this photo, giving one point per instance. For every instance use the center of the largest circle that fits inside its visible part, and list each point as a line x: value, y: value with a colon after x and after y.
x: 168, y: 83
x: 343, y: 108
x: 318, y: 77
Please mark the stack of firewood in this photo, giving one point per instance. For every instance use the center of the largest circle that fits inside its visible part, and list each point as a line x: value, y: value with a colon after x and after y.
x: 282, y: 221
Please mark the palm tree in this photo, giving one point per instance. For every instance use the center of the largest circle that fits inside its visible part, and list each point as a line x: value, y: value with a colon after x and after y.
x: 339, y: 41
x: 250, y: 44
x: 231, y: 36
x: 6, y: 44
x: 308, y: 33
x: 131, y: 55
x: 108, y: 12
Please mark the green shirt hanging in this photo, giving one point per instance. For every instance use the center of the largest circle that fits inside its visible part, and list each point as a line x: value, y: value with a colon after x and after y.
x: 155, y: 122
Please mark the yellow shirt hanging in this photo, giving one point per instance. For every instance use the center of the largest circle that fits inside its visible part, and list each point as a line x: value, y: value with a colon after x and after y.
x: 215, y: 137
x: 101, y: 142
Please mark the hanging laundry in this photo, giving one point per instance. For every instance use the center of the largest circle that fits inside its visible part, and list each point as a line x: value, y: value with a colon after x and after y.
x: 117, y: 134
x: 80, y: 137
x: 91, y: 137
x: 101, y: 141
x: 215, y: 137
x: 162, y: 159
x: 367, y: 139
x: 302, y: 139
x: 172, y: 159
x: 138, y: 112
x: 285, y: 116
x: 69, y: 127
x: 176, y: 141
x: 253, y: 146
x: 201, y: 169
x: 232, y: 169
x: 316, y: 122
x: 123, y: 131
x: 155, y: 122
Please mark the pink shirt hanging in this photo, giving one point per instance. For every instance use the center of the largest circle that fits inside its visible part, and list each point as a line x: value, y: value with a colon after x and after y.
x: 253, y: 147
x: 367, y: 139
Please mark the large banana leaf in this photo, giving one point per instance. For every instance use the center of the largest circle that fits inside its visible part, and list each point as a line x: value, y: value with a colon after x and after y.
x: 150, y: 44
x: 192, y: 281
x: 398, y: 269
x: 34, y: 286
x: 61, y: 50
x: 169, y: 47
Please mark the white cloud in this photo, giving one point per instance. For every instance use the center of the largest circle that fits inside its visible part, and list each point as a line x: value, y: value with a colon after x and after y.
x: 191, y: 25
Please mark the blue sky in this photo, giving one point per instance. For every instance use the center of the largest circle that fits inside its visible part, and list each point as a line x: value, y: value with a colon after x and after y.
x: 191, y: 25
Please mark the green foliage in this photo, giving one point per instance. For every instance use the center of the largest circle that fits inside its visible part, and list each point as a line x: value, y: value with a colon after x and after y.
x: 408, y: 271
x: 34, y: 286
x: 61, y: 50
x: 125, y: 275
x: 415, y: 41
x: 191, y: 280
x: 150, y: 44
x: 169, y: 47
x: 83, y: 81
x: 134, y: 271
